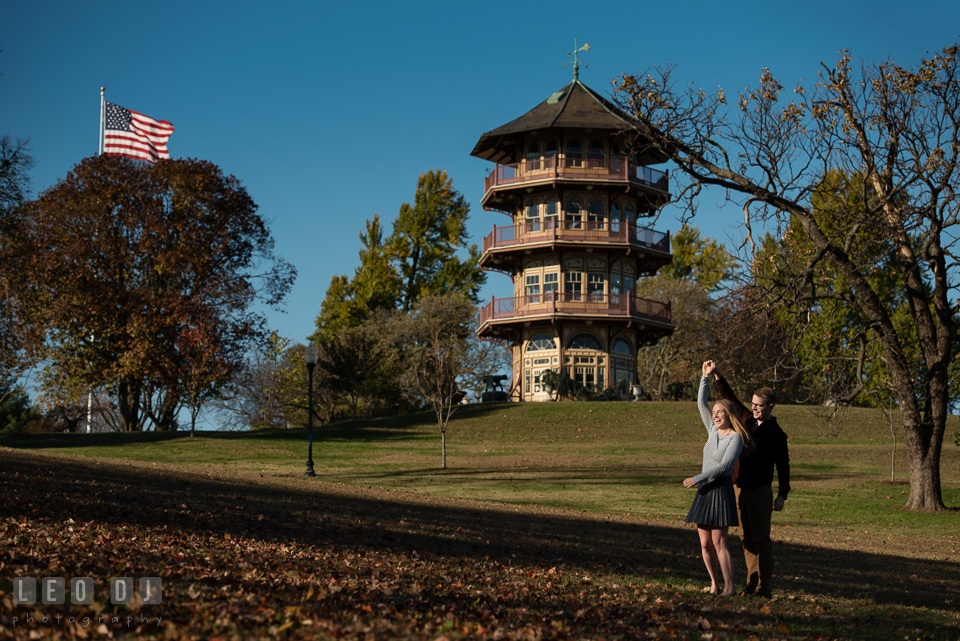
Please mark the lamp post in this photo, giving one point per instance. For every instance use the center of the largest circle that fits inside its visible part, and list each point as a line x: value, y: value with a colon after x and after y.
x: 310, y: 356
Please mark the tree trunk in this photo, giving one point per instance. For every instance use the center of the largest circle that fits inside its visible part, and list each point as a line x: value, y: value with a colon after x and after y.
x: 128, y: 403
x: 443, y: 448
x: 923, y: 446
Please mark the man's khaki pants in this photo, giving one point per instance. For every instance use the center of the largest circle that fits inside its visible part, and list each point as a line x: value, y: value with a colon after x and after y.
x: 756, y: 508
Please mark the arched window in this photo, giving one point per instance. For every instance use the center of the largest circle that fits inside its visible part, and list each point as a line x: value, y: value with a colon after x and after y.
x: 552, y: 148
x: 584, y: 341
x: 597, y: 149
x: 551, y: 214
x: 585, y: 361
x: 574, y: 214
x: 533, y: 155
x: 541, y: 342
x: 622, y: 361
x: 595, y: 214
x: 574, y: 153
x: 622, y: 346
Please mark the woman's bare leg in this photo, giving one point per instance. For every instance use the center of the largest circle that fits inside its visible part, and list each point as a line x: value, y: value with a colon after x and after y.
x: 719, y: 542
x: 709, y: 553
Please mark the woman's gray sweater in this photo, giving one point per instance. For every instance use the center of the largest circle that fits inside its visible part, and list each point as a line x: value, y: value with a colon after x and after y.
x: 720, y: 452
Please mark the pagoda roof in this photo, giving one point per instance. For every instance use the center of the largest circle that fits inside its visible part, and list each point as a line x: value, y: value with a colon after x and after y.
x: 575, y: 106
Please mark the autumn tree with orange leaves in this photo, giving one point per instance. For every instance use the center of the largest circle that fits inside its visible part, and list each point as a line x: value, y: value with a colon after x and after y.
x: 142, y: 279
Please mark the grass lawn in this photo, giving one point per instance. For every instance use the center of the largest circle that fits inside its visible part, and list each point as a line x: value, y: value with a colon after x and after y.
x: 583, y: 497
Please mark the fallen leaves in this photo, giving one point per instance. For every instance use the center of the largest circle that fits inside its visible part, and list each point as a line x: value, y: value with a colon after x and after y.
x: 302, y: 565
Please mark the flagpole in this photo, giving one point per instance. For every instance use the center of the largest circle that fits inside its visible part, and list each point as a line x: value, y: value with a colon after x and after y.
x: 90, y: 393
x: 102, y: 111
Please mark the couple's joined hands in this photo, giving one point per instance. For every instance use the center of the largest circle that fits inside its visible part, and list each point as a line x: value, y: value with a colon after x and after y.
x: 708, y: 368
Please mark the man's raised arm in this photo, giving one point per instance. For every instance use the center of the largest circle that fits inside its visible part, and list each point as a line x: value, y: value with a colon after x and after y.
x: 726, y: 393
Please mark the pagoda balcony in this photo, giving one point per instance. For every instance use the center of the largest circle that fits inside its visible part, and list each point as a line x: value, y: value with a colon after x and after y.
x: 594, y: 305
x: 550, y: 232
x: 560, y: 167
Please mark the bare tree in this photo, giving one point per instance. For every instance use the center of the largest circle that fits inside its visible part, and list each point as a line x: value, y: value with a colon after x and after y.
x: 436, y: 337
x: 896, y: 127
x: 666, y: 369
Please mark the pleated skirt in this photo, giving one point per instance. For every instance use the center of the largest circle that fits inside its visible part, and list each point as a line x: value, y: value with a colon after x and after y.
x: 715, y: 504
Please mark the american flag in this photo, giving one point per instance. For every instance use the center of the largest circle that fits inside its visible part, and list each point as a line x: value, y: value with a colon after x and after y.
x: 132, y: 134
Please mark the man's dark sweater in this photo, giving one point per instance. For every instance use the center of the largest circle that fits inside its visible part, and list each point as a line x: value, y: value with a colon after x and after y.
x: 756, y: 469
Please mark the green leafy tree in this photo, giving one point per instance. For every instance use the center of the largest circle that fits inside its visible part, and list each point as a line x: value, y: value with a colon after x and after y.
x: 339, y: 309
x: 894, y: 126
x: 15, y: 408
x: 358, y: 364
x: 702, y: 260
x: 120, y: 259
x: 426, y: 238
x: 374, y: 286
x: 420, y: 257
x: 842, y: 355
x: 376, y: 283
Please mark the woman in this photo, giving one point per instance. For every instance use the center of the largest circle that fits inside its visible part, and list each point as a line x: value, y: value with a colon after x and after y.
x: 714, y: 508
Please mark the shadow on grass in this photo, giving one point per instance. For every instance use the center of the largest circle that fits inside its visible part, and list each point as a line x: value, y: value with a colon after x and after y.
x: 56, y: 488
x: 342, y: 430
x: 362, y: 430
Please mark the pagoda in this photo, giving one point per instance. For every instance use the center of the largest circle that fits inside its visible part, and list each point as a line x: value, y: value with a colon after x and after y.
x: 568, y: 176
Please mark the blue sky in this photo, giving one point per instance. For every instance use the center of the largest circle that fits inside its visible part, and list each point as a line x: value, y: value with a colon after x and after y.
x: 328, y: 111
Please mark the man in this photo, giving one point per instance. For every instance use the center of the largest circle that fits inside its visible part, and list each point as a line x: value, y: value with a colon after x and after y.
x: 755, y: 500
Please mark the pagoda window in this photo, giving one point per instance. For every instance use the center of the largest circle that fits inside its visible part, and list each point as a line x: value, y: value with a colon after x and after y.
x: 533, y: 216
x: 574, y: 214
x: 584, y: 341
x: 616, y: 216
x: 573, y: 286
x: 622, y: 282
x: 539, y: 361
x: 541, y: 276
x: 583, y: 360
x: 622, y: 346
x: 541, y: 342
x: 551, y: 285
x: 597, y: 149
x: 533, y: 155
x: 623, y: 359
x: 574, y: 152
x: 615, y: 284
x: 550, y: 151
x: 615, y: 156
x: 596, y: 282
x: 532, y: 290
x: 596, y: 214
x: 551, y: 214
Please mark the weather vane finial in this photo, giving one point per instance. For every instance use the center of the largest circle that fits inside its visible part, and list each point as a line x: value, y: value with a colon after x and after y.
x: 576, y: 59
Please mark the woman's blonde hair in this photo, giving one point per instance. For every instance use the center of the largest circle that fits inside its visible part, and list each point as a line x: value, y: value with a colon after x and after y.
x: 748, y: 445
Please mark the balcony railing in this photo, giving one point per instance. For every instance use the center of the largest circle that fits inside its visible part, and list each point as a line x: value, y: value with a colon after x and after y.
x: 590, y: 304
x: 550, y: 230
x: 555, y: 167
